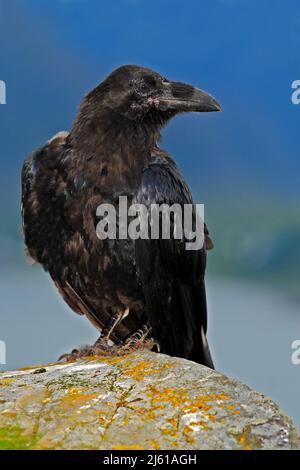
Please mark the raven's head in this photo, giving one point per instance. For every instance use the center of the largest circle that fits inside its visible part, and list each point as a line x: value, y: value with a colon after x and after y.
x: 140, y: 94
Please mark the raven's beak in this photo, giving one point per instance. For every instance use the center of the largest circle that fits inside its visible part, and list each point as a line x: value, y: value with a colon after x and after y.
x: 181, y: 97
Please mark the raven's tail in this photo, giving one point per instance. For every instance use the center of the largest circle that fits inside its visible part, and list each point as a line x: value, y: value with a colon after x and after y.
x: 180, y: 325
x: 200, y: 352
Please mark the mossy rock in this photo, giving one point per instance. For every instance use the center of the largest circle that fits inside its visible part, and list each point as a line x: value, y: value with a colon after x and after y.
x: 140, y: 401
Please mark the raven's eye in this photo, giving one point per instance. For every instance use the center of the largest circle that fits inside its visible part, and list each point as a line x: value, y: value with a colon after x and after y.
x: 144, y: 86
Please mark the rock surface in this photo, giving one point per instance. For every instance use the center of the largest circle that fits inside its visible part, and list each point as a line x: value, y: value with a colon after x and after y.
x: 140, y: 401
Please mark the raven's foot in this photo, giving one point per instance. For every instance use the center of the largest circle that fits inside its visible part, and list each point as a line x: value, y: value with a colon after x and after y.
x: 94, y: 350
x: 139, y: 340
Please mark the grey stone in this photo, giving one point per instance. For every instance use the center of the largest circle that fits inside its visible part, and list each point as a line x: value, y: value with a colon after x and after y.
x: 139, y: 401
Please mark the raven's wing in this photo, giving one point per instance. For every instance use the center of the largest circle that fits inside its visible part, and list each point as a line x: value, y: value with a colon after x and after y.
x: 172, y: 277
x: 46, y: 228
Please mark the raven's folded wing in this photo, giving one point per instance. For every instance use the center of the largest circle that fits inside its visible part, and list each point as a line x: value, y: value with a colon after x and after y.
x: 172, y: 277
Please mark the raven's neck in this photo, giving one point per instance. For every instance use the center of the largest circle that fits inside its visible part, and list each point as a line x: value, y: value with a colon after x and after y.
x: 114, y: 150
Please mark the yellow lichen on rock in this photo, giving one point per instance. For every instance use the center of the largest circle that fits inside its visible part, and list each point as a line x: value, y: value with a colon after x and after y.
x: 139, y: 401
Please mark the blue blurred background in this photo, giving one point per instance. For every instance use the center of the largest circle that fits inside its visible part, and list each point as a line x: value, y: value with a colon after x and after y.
x: 243, y: 164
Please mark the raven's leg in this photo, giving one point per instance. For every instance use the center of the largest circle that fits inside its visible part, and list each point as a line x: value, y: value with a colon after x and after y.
x: 109, y: 328
x: 101, y: 346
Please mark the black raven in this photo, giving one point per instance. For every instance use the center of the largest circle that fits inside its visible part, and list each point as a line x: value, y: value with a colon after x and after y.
x: 129, y: 289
